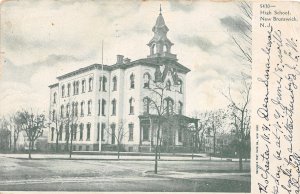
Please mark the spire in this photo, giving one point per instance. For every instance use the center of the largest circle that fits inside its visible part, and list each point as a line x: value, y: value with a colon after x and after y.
x: 160, y: 9
x: 160, y: 45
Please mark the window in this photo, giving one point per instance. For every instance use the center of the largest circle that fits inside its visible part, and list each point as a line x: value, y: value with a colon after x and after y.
x: 52, y: 133
x: 77, y: 87
x: 54, y: 97
x: 146, y: 102
x: 82, y: 108
x: 168, y: 104
x: 98, y: 131
x: 62, y: 110
x: 88, y: 131
x: 67, y: 132
x: 180, y: 134
x: 132, y: 81
x: 63, y: 91
x: 89, y: 107
x: 114, y: 104
x: 130, y: 127
x: 60, y: 132
x: 103, y: 107
x: 114, y: 80
x: 180, y: 86
x: 180, y: 107
x: 68, y: 110
x: 69, y: 89
x: 74, y: 128
x: 81, y: 131
x: 113, y: 133
x: 99, y: 107
x: 102, y: 131
x: 131, y: 107
x: 90, y: 84
x: 83, y: 86
x: 147, y: 80
x: 76, y: 109
x: 102, y: 85
x: 168, y: 85
x: 146, y: 132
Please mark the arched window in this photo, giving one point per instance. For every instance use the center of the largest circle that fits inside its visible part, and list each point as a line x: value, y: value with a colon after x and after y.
x: 63, y: 91
x: 69, y: 89
x: 165, y: 48
x: 146, y: 102
x: 81, y: 131
x: 60, y: 132
x: 153, y: 49
x: 54, y: 97
x: 76, y: 109
x: 77, y: 87
x: 131, y: 107
x: 114, y: 106
x: 180, y: 107
x: 114, y: 80
x: 88, y: 131
x: 62, y: 110
x: 103, y: 107
x: 102, y: 83
x: 82, y: 108
x: 68, y: 110
x: 168, y: 104
x: 89, y: 107
x: 83, y: 86
x: 132, y: 81
x: 90, y: 84
x: 168, y: 85
x: 147, y: 78
x: 180, y: 84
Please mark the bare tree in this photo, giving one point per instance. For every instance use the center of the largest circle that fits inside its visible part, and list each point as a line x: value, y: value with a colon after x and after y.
x: 5, y: 134
x: 16, y: 121
x: 118, y: 135
x: 34, y: 126
x: 240, y: 111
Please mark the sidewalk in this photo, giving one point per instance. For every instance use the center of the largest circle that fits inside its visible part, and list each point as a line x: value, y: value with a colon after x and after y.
x: 113, y: 156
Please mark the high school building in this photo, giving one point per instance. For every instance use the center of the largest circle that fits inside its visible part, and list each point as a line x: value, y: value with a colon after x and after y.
x: 107, y: 104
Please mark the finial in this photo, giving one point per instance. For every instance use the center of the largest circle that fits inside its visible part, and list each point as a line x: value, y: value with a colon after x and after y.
x: 160, y: 9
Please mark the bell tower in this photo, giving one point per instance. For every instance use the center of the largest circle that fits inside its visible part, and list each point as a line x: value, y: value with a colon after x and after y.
x: 160, y: 45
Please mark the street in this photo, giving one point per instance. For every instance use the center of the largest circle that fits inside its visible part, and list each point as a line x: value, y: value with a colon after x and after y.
x: 121, y: 175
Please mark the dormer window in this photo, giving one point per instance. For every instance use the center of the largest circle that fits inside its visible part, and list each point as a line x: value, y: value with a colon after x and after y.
x: 132, y: 81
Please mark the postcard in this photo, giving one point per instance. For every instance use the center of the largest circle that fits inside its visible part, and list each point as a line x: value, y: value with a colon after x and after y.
x: 149, y: 96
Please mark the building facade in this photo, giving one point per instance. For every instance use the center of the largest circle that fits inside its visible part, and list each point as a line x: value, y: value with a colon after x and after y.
x: 106, y: 105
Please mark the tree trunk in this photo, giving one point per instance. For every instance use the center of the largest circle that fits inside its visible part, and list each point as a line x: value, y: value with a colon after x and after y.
x: 240, y: 160
x: 56, y: 146
x: 118, y: 151
x: 29, y: 149
x: 156, y: 147
x: 71, y: 143
x: 15, y: 145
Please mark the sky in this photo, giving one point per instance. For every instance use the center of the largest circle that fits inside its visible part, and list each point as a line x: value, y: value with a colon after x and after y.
x: 41, y: 40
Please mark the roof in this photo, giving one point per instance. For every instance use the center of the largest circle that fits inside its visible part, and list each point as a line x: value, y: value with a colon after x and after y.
x: 152, y: 62
x: 53, y: 85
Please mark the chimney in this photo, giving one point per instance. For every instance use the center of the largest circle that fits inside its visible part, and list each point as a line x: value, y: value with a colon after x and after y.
x: 127, y: 60
x: 120, y: 59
